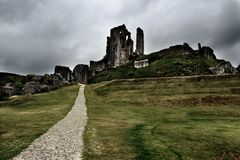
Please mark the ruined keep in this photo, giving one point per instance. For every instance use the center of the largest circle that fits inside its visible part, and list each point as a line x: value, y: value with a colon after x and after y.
x: 119, y: 46
x: 140, y: 41
x: 119, y: 49
x: 80, y: 73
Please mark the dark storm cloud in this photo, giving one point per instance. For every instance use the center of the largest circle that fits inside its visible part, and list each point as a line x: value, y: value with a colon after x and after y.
x: 215, y: 23
x: 227, y: 34
x: 36, y: 35
x: 38, y: 39
x: 11, y: 10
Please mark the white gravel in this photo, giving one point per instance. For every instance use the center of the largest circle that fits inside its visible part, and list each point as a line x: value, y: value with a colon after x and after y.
x: 64, y: 140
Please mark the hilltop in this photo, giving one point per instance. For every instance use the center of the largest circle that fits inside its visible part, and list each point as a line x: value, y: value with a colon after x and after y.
x: 179, y: 60
x: 121, y: 61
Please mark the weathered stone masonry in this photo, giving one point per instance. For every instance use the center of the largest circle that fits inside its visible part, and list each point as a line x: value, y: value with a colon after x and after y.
x: 65, y: 72
x: 80, y: 73
x: 140, y: 41
x: 119, y: 46
x: 119, y: 49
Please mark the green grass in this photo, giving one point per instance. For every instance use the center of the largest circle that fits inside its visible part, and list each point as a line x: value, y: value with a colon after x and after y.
x: 164, y: 118
x: 163, y: 66
x: 25, y: 118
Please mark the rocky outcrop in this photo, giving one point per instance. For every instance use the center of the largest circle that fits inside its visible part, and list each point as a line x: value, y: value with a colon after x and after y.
x: 224, y: 68
x: 12, y: 84
x: 65, y: 72
x: 14, y: 79
x: 80, y: 73
x: 8, y: 90
x: 206, y: 52
x: 39, y: 83
x: 32, y: 87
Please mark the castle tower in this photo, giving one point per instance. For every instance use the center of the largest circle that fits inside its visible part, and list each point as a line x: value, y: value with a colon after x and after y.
x: 119, y: 46
x: 140, y: 41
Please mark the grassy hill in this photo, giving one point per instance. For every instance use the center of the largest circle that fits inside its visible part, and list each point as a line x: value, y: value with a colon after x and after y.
x: 162, y: 64
x: 195, y: 117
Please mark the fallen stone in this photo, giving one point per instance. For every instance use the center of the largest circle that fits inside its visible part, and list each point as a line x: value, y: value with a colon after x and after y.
x: 224, y: 68
x: 32, y: 87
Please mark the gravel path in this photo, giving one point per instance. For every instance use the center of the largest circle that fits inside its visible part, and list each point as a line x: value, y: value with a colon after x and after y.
x: 64, y: 140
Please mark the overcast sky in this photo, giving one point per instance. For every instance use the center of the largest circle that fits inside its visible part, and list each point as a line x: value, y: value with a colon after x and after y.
x: 36, y: 35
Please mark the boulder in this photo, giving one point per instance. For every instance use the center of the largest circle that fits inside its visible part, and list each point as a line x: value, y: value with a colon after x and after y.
x: 224, y: 68
x: 8, y: 90
x: 32, y: 87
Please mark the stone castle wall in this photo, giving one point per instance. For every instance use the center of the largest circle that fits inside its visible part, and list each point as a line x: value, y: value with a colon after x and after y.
x: 119, y: 46
x: 140, y: 41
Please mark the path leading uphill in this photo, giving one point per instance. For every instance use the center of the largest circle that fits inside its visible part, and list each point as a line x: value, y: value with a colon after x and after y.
x: 64, y: 140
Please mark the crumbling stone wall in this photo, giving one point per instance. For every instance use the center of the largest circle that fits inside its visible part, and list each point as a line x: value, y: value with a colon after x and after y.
x: 140, y: 41
x: 206, y: 52
x: 65, y: 72
x: 98, y: 66
x: 119, y: 46
x: 80, y: 73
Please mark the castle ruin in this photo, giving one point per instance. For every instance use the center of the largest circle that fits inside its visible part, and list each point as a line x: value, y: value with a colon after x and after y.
x: 119, y: 49
x: 80, y: 73
x: 140, y: 42
x: 119, y: 46
x: 65, y: 72
x: 120, y: 52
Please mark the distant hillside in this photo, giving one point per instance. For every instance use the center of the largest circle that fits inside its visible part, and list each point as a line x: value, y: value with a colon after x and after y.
x: 15, y: 79
x: 180, y: 60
